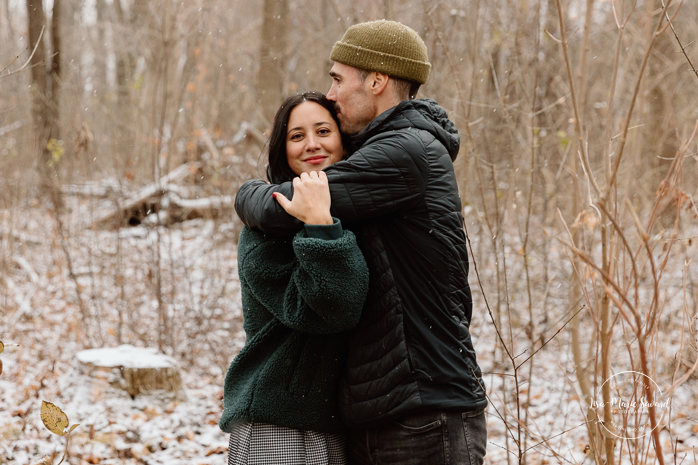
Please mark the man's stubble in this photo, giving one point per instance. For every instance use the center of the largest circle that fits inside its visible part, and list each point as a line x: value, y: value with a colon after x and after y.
x: 362, y: 111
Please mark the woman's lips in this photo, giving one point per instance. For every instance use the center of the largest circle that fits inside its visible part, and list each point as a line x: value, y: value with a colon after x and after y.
x: 315, y: 160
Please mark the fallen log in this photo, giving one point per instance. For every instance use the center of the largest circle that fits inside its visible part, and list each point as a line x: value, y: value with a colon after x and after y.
x: 103, y: 188
x: 248, y: 129
x: 111, y: 213
x: 173, y: 208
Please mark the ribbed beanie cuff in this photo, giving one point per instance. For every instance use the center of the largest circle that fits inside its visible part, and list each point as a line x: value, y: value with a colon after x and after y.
x: 384, y: 46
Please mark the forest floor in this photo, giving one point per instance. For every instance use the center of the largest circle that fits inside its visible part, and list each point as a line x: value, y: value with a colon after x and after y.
x: 99, y: 288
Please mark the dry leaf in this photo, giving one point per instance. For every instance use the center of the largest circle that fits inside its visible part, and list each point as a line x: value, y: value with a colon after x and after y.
x: 0, y: 367
x: 73, y: 427
x: 45, y: 461
x: 217, y: 450
x: 2, y: 347
x: 151, y: 412
x: 695, y: 428
x: 54, y: 419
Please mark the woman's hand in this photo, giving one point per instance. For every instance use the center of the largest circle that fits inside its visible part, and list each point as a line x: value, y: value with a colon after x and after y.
x: 311, y: 199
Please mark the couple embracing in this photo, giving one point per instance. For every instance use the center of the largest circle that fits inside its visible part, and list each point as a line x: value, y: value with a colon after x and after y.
x: 353, y: 271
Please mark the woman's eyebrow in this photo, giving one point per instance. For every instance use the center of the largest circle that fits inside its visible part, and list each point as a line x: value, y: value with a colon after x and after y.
x: 298, y: 128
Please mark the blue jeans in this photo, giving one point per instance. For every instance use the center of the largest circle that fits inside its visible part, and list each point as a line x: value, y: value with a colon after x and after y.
x: 434, y: 438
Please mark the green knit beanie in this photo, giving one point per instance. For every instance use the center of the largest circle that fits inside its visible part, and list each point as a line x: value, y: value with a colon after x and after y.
x: 386, y: 47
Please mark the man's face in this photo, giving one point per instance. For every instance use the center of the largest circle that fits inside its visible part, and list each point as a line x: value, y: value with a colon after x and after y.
x: 353, y: 100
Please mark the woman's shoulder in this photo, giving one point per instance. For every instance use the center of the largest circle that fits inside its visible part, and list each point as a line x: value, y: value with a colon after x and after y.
x: 249, y: 236
x: 252, y: 242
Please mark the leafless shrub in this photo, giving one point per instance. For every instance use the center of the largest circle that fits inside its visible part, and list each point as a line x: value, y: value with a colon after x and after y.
x: 577, y: 174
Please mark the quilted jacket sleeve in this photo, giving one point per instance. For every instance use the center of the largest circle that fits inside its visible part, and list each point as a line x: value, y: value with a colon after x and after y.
x: 386, y: 175
x: 313, y: 285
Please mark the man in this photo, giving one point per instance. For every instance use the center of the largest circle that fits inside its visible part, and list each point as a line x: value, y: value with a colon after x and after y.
x: 412, y: 391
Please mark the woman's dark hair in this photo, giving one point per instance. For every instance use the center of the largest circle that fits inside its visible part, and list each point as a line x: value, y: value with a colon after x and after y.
x: 278, y: 170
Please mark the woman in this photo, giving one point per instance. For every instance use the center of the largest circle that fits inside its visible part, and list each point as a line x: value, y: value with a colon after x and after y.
x: 300, y: 295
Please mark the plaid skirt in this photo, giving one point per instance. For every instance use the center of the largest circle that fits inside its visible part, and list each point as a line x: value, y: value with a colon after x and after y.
x: 265, y: 444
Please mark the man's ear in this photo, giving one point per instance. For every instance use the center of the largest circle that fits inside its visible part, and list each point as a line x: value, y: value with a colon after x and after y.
x: 379, y: 83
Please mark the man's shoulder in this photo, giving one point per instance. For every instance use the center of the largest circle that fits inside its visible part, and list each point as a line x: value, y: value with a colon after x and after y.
x: 399, y: 144
x: 400, y: 138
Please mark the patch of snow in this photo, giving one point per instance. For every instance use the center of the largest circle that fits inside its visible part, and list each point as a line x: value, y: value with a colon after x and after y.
x: 126, y: 356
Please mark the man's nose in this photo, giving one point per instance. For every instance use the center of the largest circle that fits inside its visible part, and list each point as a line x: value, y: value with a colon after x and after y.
x: 331, y: 94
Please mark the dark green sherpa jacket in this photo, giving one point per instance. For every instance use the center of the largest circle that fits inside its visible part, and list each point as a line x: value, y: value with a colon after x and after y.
x: 300, y: 295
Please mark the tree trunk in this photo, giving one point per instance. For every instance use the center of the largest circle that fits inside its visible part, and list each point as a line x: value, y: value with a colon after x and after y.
x: 101, y: 47
x: 125, y: 66
x: 123, y: 61
x: 68, y: 76
x: 35, y: 15
x: 55, y: 74
x: 6, y: 32
x: 270, y: 80
x: 136, y: 370
x: 41, y: 114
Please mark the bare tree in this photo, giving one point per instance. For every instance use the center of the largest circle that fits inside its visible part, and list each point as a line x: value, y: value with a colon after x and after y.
x: 40, y: 107
x: 272, y: 59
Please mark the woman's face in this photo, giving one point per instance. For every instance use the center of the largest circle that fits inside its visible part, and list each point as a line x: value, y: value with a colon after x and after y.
x: 313, y: 141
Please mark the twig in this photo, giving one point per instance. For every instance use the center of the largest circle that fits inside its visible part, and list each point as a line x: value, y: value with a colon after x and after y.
x: 28, y: 60
x: 633, y: 101
x: 506, y: 425
x: 454, y: 72
x: 544, y: 441
x: 553, y: 336
x: 575, y: 103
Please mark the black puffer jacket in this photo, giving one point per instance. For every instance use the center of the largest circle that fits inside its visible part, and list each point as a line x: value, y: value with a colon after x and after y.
x: 412, y: 350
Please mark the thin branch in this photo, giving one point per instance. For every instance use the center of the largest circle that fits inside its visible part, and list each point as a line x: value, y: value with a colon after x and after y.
x: 544, y: 441
x: 553, y: 336
x: 41, y: 34
x: 671, y: 21
x: 506, y: 425
x: 454, y: 72
x: 633, y: 101
x: 575, y: 103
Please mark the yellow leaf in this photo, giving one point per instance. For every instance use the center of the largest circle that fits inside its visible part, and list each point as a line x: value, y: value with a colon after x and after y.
x: 73, y: 427
x: 56, y: 148
x: 2, y: 347
x: 0, y: 367
x: 54, y: 419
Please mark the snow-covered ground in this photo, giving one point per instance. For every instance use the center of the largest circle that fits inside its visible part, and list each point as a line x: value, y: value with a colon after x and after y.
x: 44, y: 324
x: 44, y: 328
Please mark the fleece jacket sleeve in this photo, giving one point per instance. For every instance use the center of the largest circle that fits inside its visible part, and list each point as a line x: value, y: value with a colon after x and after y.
x: 328, y: 232
x: 320, y: 289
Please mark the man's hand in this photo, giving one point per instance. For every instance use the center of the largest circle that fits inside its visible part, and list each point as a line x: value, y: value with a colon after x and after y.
x: 311, y: 199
